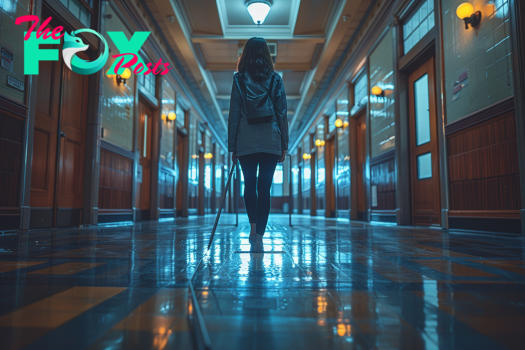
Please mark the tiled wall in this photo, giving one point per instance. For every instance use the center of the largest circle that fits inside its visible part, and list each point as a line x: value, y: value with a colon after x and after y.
x: 484, y: 52
x: 12, y: 39
x: 118, y: 100
x: 382, y: 120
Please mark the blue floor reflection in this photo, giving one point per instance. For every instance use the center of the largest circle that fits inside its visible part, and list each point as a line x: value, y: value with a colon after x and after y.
x: 321, y: 284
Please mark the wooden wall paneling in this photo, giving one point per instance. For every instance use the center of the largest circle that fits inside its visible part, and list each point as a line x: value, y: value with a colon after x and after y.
x: 11, y: 145
x: 166, y: 190
x: 115, y: 184
x: 483, y: 169
x: 383, y: 176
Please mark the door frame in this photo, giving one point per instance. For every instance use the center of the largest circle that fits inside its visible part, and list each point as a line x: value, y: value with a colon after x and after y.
x: 430, y: 45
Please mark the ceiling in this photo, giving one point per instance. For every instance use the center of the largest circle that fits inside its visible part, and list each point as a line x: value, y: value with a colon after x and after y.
x: 311, y: 36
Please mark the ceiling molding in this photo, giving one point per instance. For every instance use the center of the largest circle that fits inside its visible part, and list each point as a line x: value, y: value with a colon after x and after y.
x: 200, y: 39
x: 245, y: 31
x: 285, y: 66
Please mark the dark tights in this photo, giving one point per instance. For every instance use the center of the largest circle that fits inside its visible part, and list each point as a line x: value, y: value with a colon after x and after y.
x: 257, y: 190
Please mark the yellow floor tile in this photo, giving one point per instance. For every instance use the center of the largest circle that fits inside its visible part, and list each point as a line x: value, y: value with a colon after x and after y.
x: 66, y: 269
x: 6, y: 266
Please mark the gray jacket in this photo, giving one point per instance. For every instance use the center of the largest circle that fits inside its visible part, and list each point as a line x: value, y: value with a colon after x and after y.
x: 271, y: 137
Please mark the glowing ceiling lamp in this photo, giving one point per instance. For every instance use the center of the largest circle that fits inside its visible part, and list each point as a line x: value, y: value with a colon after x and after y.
x: 258, y: 9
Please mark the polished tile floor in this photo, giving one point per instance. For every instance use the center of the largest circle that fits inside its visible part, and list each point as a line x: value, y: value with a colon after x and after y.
x: 322, y: 284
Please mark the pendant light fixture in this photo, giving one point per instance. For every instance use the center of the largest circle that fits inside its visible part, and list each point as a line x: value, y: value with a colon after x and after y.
x: 258, y: 9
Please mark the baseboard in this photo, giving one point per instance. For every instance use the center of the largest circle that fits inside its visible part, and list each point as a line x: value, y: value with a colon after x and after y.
x: 105, y: 218
x: 504, y: 225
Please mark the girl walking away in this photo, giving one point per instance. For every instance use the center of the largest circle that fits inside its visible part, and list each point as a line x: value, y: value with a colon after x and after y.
x: 257, y: 131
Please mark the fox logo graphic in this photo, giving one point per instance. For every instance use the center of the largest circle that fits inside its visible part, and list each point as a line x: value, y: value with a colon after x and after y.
x: 73, y: 45
x: 127, y: 58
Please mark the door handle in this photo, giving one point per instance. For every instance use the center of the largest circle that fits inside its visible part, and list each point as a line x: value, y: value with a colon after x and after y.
x: 62, y: 134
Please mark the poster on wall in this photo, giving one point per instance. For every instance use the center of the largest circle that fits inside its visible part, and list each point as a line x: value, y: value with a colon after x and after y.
x: 17, y: 84
x: 7, y: 60
x: 460, y: 84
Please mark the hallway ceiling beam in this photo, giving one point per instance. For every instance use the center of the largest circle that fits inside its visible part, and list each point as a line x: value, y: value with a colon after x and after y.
x: 182, y: 37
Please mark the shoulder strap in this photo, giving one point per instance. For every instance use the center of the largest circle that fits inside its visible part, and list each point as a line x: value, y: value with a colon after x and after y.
x: 242, y: 85
x: 271, y: 86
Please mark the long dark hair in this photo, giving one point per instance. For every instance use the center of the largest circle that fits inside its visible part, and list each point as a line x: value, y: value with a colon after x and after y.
x: 256, y: 59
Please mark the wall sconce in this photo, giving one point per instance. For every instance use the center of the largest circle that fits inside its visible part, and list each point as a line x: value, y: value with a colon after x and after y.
x: 307, y: 156
x: 377, y: 91
x: 194, y: 156
x: 345, y: 124
x: 208, y: 156
x: 465, y: 11
x: 338, y: 123
x: 172, y: 116
x: 319, y: 143
x: 111, y: 76
x: 121, y: 78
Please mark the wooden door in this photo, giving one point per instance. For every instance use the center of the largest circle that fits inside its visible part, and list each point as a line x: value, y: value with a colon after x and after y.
x: 330, y: 179
x: 73, y: 138
x: 45, y: 139
x: 179, y: 170
x: 145, y: 151
x: 361, y: 166
x: 424, y: 146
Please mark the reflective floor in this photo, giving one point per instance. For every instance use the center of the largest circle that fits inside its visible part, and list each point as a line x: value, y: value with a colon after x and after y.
x: 322, y: 284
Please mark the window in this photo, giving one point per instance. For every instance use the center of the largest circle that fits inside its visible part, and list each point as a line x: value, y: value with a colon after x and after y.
x: 422, y: 111
x: 418, y: 25
x: 360, y: 93
x: 181, y: 115
x: 80, y: 10
x: 341, y: 107
x: 148, y: 82
x: 424, y: 166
